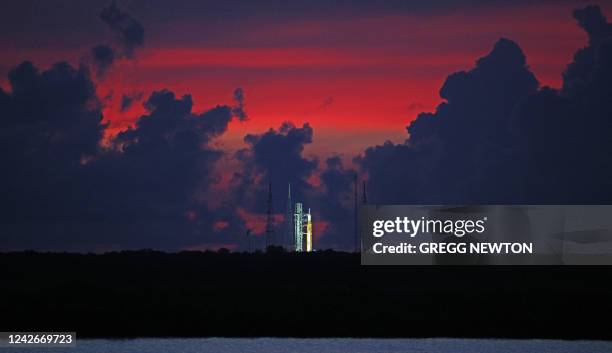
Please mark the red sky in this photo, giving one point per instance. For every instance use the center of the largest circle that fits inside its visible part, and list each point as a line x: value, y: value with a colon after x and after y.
x: 358, y: 81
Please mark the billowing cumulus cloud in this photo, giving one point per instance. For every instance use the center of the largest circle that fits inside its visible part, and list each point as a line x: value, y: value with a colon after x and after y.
x: 63, y: 191
x: 452, y: 153
x: 498, y: 138
x: 50, y: 123
x: 566, y: 134
x: 165, y: 156
x: 155, y: 169
x: 334, y: 205
x: 275, y: 156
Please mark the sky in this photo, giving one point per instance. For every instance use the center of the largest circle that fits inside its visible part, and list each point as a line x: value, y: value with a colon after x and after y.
x: 167, y: 120
x: 359, y: 73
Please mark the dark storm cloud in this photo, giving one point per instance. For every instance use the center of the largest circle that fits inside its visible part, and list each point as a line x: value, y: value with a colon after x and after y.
x: 156, y: 168
x: 567, y: 133
x: 62, y: 191
x: 591, y: 59
x: 497, y: 138
x: 50, y: 102
x: 334, y: 203
x: 594, y: 23
x: 49, y: 123
x: 103, y: 57
x: 451, y: 154
x: 129, y: 31
x: 276, y: 156
x: 167, y: 142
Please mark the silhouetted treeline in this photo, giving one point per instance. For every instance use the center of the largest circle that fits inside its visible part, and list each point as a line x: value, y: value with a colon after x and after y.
x: 324, y: 294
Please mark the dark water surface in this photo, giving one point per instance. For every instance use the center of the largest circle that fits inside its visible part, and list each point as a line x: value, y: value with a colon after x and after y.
x: 332, y: 345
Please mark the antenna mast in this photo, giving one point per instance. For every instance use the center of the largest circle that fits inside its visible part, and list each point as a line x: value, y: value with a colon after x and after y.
x: 365, y: 198
x: 269, y: 227
x: 356, y: 217
x: 289, y: 238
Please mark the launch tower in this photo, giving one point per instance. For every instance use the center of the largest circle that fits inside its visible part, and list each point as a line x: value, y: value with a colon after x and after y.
x: 299, y: 224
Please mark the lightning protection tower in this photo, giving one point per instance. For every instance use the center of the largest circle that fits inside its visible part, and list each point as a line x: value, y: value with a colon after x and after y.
x: 356, y: 215
x: 289, y: 229
x: 269, y: 226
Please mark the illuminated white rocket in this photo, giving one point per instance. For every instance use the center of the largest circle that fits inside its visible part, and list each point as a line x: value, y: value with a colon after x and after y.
x: 308, y: 219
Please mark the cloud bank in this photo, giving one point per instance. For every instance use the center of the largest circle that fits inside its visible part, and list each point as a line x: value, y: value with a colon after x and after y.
x: 498, y: 138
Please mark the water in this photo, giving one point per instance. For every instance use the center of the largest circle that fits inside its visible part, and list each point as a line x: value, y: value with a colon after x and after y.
x: 332, y: 345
